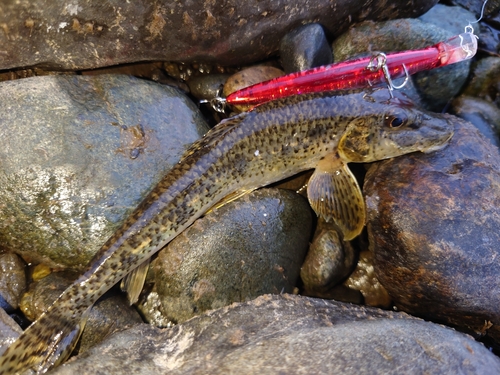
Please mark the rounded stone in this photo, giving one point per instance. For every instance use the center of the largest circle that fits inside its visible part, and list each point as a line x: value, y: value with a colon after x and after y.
x: 12, y: 280
x: 78, y: 154
x: 249, y: 247
x: 433, y: 224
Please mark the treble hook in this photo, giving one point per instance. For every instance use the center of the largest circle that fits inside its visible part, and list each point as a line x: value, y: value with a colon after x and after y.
x: 218, y: 103
x: 379, y: 61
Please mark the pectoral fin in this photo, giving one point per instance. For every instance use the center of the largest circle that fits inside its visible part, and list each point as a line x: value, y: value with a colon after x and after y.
x: 334, y: 193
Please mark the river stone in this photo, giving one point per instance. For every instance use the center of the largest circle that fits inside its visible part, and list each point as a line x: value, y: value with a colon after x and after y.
x: 249, y: 247
x: 435, y: 87
x: 484, y: 82
x: 285, y: 334
x: 304, y: 48
x: 433, y: 224
x: 78, y: 154
x: 12, y: 281
x: 82, y: 35
x: 483, y: 114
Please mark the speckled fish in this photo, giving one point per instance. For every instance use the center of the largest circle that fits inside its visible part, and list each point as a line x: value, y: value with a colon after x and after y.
x: 274, y: 141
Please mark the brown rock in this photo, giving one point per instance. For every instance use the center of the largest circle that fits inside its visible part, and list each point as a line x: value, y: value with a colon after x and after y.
x: 433, y: 226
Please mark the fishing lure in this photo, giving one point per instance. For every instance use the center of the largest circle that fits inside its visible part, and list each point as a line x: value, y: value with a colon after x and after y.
x: 359, y: 73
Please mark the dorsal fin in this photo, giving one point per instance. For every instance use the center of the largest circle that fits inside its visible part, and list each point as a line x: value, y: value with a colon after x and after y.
x: 214, y: 134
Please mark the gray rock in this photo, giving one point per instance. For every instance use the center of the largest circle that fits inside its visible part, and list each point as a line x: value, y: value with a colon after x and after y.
x: 9, y: 331
x: 451, y: 18
x: 433, y: 224
x: 12, y: 280
x: 78, y: 154
x: 484, y: 82
x: 304, y: 48
x: 289, y: 335
x: 247, y: 248
x: 483, y: 114
x: 435, y: 87
x: 75, y: 36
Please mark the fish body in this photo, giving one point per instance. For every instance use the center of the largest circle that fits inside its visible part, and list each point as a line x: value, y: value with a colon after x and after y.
x: 272, y: 142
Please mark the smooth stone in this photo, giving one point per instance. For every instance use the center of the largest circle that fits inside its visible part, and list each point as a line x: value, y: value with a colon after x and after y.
x: 78, y: 155
x: 483, y: 114
x: 77, y: 36
x: 286, y: 334
x: 12, y: 281
x: 248, y: 77
x: 433, y: 224
x: 484, y: 80
x: 451, y: 18
x: 475, y: 6
x: 9, y: 331
x: 207, y: 86
x: 249, y: 247
x: 328, y: 261
x: 110, y: 314
x: 304, y: 48
x: 435, y: 87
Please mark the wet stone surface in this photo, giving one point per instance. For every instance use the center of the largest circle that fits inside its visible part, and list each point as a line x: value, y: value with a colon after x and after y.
x: 306, y: 336
x: 247, y: 248
x: 435, y: 243
x: 79, y: 153
x: 70, y: 35
x: 12, y: 281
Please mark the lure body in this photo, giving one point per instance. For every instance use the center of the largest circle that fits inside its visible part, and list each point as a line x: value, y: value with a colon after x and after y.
x: 253, y: 149
x: 360, y: 73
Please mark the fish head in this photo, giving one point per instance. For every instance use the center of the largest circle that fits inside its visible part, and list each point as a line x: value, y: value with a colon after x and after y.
x: 393, y: 127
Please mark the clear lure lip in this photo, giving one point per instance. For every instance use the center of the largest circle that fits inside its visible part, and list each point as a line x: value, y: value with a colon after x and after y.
x: 364, y: 72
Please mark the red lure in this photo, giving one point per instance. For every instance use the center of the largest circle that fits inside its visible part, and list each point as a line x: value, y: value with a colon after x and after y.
x: 363, y: 72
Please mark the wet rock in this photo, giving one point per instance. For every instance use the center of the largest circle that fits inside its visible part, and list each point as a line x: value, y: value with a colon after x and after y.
x: 433, y: 224
x: 364, y: 280
x: 435, y: 87
x: 207, y: 86
x: 78, y: 154
x: 491, y: 7
x: 484, y: 82
x: 248, y: 77
x: 9, y: 331
x: 328, y: 261
x: 451, y: 18
x: 75, y: 36
x: 304, y: 48
x: 247, y: 248
x: 110, y: 314
x: 12, y: 281
x: 290, y: 335
x: 483, y: 114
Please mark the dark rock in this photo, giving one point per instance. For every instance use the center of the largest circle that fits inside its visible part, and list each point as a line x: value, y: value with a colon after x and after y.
x: 12, y: 280
x: 75, y: 36
x: 207, y: 86
x: 304, y: 48
x: 247, y: 248
x: 289, y: 335
x: 483, y: 114
x: 475, y: 6
x: 453, y: 19
x: 78, y: 154
x: 484, y: 82
x: 433, y: 227
x: 328, y: 261
x: 9, y: 331
x: 435, y: 87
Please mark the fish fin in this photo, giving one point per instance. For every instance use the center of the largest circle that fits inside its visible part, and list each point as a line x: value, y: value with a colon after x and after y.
x: 214, y: 134
x: 229, y: 198
x: 334, y: 193
x: 46, y: 343
x: 133, y: 283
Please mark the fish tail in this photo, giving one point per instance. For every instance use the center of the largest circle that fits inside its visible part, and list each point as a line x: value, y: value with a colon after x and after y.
x: 46, y: 343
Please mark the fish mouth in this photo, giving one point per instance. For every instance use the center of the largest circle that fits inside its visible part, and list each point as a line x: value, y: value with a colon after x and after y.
x: 438, y: 146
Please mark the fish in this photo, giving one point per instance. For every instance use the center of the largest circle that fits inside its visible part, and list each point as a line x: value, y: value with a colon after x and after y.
x: 272, y: 142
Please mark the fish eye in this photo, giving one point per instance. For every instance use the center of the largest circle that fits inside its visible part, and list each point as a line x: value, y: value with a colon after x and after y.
x: 395, y: 120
